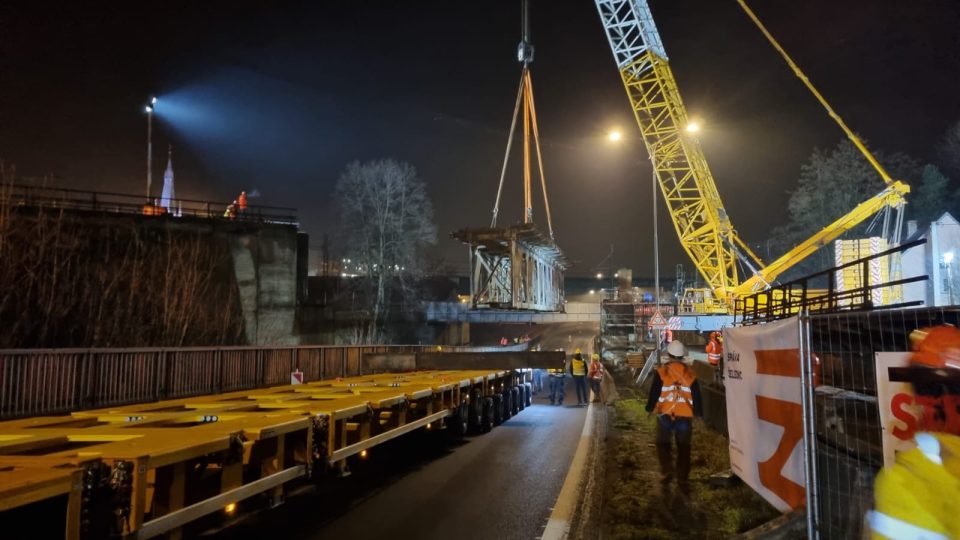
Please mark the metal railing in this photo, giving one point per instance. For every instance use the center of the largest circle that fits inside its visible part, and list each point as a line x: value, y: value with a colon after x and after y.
x: 119, y: 203
x: 791, y: 298
x: 37, y: 382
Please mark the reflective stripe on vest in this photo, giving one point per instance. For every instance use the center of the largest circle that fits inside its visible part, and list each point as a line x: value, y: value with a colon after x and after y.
x: 676, y: 396
x: 892, y: 527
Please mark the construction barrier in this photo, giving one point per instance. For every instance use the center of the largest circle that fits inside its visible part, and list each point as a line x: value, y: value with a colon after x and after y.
x: 846, y: 425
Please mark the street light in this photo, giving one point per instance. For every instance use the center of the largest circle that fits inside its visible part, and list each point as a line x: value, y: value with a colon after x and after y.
x: 149, y: 110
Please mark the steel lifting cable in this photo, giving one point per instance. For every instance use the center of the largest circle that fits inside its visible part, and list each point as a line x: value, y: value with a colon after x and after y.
x: 536, y: 141
x: 506, y: 155
x: 803, y: 77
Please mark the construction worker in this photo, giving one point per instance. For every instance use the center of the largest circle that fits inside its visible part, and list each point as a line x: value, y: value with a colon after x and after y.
x: 675, y: 397
x: 557, y: 384
x: 231, y: 211
x: 714, y: 349
x: 578, y: 369
x: 919, y: 496
x: 666, y: 337
x: 242, y: 201
x: 595, y: 374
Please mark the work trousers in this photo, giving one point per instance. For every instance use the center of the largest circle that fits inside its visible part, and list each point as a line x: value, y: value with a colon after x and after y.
x: 595, y: 386
x: 581, y: 387
x: 557, y: 389
x: 538, y: 380
x: 681, y: 429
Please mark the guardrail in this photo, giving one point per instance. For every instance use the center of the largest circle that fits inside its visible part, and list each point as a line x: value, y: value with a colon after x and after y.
x: 37, y: 382
x: 791, y: 298
x: 119, y: 203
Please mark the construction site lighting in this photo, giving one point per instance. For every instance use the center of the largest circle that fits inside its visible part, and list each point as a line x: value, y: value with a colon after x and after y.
x: 593, y: 291
x: 693, y: 126
x: 148, y: 109
x: 948, y: 257
x: 614, y: 135
x: 599, y: 275
x: 153, y: 100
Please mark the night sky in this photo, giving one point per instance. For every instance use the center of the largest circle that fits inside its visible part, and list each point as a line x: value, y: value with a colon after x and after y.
x: 280, y: 99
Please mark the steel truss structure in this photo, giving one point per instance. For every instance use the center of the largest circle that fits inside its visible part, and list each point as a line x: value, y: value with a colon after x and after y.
x: 514, y: 267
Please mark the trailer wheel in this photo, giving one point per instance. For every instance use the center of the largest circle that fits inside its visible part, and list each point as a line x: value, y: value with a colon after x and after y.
x: 498, y: 409
x: 528, y: 389
x: 486, y: 423
x: 458, y: 422
x: 515, y: 406
x: 476, y: 410
x: 507, y: 404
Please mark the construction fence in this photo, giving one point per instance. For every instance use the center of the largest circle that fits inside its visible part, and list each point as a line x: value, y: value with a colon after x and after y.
x: 843, y: 432
x: 37, y: 382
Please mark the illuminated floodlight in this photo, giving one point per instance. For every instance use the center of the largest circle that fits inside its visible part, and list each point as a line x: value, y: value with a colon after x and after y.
x: 153, y: 100
x: 599, y: 275
x: 148, y: 109
x: 614, y: 135
x: 593, y: 291
x: 948, y: 257
x: 693, y: 126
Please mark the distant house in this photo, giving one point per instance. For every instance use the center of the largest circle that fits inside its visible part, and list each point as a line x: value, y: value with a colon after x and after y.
x: 939, y: 259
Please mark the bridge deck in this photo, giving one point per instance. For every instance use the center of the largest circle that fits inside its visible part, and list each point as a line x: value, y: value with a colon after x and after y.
x: 167, y: 463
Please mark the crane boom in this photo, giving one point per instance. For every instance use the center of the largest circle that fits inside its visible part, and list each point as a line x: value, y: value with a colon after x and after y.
x: 679, y: 165
x: 681, y: 170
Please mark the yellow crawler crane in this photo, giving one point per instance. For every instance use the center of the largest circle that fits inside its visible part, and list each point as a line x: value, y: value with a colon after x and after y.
x: 696, y: 209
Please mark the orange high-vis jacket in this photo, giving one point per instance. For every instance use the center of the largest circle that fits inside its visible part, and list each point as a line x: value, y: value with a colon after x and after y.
x: 676, y: 395
x: 714, y: 352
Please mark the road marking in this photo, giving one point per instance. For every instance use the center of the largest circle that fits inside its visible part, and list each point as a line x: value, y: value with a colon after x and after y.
x: 558, y: 526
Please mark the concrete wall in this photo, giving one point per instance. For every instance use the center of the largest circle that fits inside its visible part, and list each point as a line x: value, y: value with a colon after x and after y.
x: 266, y: 267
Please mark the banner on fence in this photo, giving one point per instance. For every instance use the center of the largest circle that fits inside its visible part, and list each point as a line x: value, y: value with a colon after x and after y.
x: 899, y: 413
x: 764, y: 412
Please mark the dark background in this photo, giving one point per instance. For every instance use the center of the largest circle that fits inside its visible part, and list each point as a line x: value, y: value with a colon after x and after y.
x: 280, y: 98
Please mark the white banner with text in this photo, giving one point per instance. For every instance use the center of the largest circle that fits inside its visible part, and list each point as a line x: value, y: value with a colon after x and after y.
x: 764, y: 414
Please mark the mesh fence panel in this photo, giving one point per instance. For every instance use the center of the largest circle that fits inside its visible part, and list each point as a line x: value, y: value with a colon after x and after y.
x: 846, y: 418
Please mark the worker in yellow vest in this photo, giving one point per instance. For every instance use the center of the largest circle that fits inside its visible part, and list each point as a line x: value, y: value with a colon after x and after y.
x: 675, y: 397
x: 919, y: 496
x: 578, y: 369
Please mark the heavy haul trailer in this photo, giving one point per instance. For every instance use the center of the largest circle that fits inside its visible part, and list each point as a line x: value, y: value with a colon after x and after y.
x: 146, y: 470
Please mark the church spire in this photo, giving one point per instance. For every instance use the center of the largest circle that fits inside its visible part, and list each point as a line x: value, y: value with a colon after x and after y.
x: 168, y: 197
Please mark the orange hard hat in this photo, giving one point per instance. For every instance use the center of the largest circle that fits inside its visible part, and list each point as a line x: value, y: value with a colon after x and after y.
x: 937, y: 347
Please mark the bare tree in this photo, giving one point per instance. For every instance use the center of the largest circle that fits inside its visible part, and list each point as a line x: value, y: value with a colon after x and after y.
x: 386, y: 220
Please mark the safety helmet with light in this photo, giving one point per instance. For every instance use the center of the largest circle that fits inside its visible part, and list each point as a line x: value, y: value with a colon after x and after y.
x: 676, y: 349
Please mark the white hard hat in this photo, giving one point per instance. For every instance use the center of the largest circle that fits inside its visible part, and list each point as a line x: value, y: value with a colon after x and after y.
x: 676, y: 349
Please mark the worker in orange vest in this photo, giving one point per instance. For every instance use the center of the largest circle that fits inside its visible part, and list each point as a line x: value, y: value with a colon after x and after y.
x: 243, y: 201
x: 666, y: 337
x: 675, y: 397
x: 595, y: 374
x: 714, y: 349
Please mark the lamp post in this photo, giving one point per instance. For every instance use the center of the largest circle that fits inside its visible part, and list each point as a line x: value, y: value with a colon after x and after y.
x: 149, y: 110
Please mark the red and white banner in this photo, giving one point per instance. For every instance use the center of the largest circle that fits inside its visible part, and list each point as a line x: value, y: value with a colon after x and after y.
x: 898, y: 411
x: 764, y: 414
